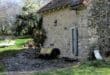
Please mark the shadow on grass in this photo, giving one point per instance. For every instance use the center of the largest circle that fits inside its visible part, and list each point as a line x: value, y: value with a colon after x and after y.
x: 9, y: 53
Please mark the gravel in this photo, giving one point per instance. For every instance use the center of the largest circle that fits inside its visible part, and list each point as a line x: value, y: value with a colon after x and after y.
x: 26, y: 61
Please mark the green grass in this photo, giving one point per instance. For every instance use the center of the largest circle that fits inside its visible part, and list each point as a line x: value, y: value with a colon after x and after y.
x: 89, y: 68
x: 11, y: 50
x: 18, y: 45
x: 21, y: 42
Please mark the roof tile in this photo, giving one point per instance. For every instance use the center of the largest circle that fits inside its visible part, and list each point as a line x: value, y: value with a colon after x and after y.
x: 59, y: 3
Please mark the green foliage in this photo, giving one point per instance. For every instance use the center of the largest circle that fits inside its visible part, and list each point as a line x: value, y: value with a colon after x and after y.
x: 39, y: 35
x: 11, y: 51
x: 19, y: 43
x: 25, y: 24
x: 99, y: 20
x: 31, y: 6
x: 30, y: 23
x: 5, y: 30
x: 27, y: 21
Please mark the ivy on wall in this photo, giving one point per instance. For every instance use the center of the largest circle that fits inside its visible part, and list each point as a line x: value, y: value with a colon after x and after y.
x: 100, y: 20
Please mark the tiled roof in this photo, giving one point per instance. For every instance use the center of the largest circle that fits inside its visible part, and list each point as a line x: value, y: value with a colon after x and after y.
x: 59, y: 3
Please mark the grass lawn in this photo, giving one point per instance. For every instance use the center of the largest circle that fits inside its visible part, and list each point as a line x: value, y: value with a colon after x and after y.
x: 18, y: 45
x: 11, y: 50
x: 89, y: 68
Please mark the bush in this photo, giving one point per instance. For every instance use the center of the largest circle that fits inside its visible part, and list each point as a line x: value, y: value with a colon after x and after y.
x: 39, y: 34
x: 25, y: 24
x: 31, y: 25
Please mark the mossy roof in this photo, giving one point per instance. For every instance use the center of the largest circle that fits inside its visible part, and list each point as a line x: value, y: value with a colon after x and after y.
x: 60, y: 3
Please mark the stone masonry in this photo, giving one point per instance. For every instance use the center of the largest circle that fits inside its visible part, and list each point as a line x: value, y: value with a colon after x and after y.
x: 58, y: 26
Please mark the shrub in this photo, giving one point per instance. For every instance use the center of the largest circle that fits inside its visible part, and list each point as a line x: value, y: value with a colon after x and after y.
x: 39, y: 34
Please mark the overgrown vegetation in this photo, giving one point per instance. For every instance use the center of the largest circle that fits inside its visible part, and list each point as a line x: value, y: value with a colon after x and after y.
x: 99, y: 20
x: 39, y: 34
x: 25, y: 24
x: 28, y: 20
x: 30, y: 23
x: 5, y: 30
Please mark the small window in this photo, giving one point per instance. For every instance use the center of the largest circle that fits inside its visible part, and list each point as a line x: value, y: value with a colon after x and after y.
x: 75, y: 41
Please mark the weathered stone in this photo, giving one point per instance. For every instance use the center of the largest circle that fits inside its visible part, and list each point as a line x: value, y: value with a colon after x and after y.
x: 99, y: 22
x: 62, y: 38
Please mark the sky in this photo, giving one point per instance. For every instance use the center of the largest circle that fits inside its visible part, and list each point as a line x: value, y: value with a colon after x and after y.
x: 10, y: 8
x: 11, y: 1
x: 20, y: 3
x: 4, y: 4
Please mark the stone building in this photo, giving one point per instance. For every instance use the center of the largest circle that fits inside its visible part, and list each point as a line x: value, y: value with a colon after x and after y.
x: 66, y: 24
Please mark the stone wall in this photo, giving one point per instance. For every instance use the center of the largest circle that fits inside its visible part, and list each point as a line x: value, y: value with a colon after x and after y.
x: 58, y: 26
x: 86, y: 34
x: 99, y: 21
